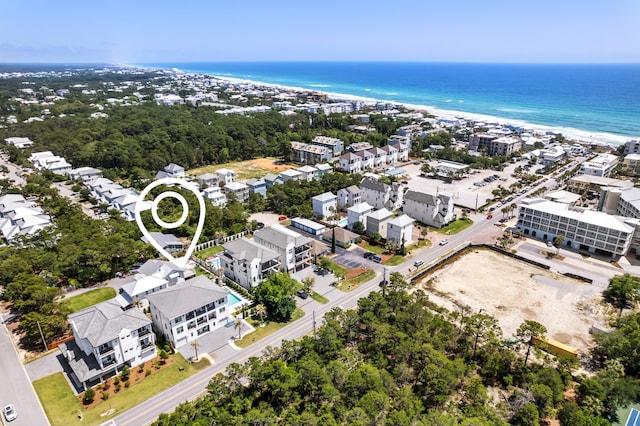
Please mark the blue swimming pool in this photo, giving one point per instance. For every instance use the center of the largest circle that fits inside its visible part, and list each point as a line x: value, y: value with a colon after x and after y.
x: 233, y: 299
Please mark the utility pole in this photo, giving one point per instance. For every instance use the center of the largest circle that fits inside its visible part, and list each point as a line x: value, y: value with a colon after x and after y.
x: 314, y: 324
x: 44, y: 342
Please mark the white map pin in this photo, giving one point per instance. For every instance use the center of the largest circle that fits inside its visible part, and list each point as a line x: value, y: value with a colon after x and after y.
x: 141, y: 204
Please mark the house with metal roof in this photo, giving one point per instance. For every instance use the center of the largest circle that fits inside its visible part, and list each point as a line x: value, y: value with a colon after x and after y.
x: 247, y: 262
x: 400, y: 230
x: 106, y: 337
x: 349, y: 196
x: 324, y: 205
x: 194, y: 308
x: 431, y: 209
x: 294, y: 249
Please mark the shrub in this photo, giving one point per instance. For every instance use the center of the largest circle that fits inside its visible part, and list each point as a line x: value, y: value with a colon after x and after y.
x: 105, y: 396
x: 106, y: 386
x: 127, y: 384
x: 116, y: 381
x: 163, y: 356
x: 117, y: 388
x: 125, y: 372
x: 88, y: 396
x: 147, y: 373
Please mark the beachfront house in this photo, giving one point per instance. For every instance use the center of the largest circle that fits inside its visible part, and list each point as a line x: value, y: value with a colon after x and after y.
x: 189, y: 311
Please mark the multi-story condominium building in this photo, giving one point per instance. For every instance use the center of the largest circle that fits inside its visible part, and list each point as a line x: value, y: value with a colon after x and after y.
x: 239, y: 189
x: 367, y: 159
x: 335, y: 145
x: 391, y: 154
x: 226, y: 176
x: 377, y: 222
x: 106, y: 337
x: 602, y: 165
x: 257, y: 186
x: 631, y: 163
x: 481, y: 141
x: 431, y: 209
x: 324, y: 205
x: 309, y: 153
x: 309, y: 173
x: 358, y: 213
x: 620, y: 201
x: 247, y: 262
x: 185, y: 312
x: 349, y: 196
x: 379, y: 194
x: 493, y: 144
x: 632, y: 147
x: 379, y: 157
x: 581, y: 229
x: 294, y: 249
x: 400, y: 230
x: 350, y: 163
x: 359, y: 146
x: 589, y: 185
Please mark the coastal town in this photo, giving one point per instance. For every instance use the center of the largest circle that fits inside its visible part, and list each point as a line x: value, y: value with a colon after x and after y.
x: 516, y: 237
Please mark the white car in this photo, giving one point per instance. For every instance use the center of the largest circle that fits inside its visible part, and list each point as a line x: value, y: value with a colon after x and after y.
x: 443, y: 242
x: 10, y: 412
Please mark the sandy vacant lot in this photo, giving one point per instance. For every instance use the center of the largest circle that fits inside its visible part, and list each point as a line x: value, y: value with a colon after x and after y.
x: 514, y: 291
x: 255, y: 168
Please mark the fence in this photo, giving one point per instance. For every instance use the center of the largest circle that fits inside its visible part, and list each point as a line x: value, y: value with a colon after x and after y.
x: 219, y: 241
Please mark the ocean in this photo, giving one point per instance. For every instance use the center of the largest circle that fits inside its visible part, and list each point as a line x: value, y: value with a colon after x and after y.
x: 586, y: 101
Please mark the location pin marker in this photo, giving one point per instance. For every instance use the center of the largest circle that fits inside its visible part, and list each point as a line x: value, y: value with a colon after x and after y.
x: 141, y: 204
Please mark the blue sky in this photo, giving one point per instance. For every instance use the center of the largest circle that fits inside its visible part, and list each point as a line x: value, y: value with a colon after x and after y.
x: 137, y: 31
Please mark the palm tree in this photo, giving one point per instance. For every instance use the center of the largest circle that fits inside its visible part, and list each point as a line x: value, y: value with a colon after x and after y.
x: 307, y: 283
x: 195, y: 345
x: 238, y: 326
x: 260, y: 311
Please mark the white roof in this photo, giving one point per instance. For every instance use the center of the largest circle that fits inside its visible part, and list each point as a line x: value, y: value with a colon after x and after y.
x: 363, y: 207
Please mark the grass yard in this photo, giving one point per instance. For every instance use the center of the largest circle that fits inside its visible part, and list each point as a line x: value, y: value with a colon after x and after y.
x: 62, y: 407
x: 373, y: 248
x: 90, y: 298
x: 245, y: 170
x: 348, y: 285
x: 395, y: 260
x: 269, y: 328
x: 335, y: 268
x: 206, y: 253
x: 455, y: 227
x: 319, y: 298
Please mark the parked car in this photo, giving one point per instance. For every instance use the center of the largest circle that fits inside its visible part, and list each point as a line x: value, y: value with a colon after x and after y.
x: 302, y: 294
x: 490, y: 216
x: 444, y: 242
x: 376, y: 258
x: 418, y: 263
x: 10, y: 412
x: 368, y: 255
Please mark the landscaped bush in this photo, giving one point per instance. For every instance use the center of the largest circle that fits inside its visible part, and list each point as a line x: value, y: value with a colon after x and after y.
x: 105, y: 396
x: 147, y: 373
x: 117, y: 388
x: 127, y: 384
x: 88, y: 396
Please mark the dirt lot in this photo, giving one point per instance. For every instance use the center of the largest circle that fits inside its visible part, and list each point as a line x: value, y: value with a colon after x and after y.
x: 514, y: 291
x: 246, y: 169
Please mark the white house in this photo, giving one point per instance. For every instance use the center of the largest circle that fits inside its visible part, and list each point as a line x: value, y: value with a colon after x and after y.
x: 358, y: 213
x: 106, y: 337
x: 391, y: 153
x: 19, y: 142
x: 247, y: 262
x: 20, y: 217
x: 379, y: 194
x: 215, y: 196
x: 431, y: 209
x: 291, y: 174
x: 400, y: 230
x: 190, y: 310
x: 309, y: 173
x: 171, y: 171
x: 324, y: 205
x: 349, y: 196
x: 377, y: 222
x: 350, y: 163
x: 47, y: 161
x: 227, y: 176
x: 240, y: 190
x: 208, y: 180
x: 602, y: 165
x: 85, y: 173
x: 294, y: 249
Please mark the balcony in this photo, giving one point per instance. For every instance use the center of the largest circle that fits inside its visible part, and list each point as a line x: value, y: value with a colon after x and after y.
x: 145, y: 345
x: 105, y: 350
x: 108, y: 362
x: 143, y: 332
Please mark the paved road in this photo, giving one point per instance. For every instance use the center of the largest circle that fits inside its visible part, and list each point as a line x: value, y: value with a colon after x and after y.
x: 16, y: 387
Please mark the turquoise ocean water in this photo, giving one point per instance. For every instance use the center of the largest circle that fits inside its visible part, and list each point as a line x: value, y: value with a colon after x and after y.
x: 592, y: 101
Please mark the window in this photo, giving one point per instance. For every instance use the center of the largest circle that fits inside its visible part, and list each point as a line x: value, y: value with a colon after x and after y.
x: 222, y: 309
x: 180, y: 329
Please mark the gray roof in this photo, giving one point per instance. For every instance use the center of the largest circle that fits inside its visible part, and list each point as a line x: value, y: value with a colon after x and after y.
x: 281, y: 236
x: 186, y: 297
x: 270, y: 177
x: 421, y: 197
x: 373, y: 184
x: 103, y: 322
x: 164, y: 240
x: 172, y: 168
x: 244, y: 249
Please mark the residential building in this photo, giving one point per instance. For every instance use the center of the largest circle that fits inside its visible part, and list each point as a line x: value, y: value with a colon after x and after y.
x: 631, y: 163
x: 20, y: 217
x: 323, y: 169
x: 379, y: 158
x: 377, y: 222
x: 350, y: 163
x: 154, y: 275
x: 47, y: 161
x: 309, y: 173
x: 291, y: 174
x: 171, y: 171
x: 106, y: 337
x: 379, y: 194
x: 400, y: 230
x: 85, y: 174
x: 494, y: 144
x: 186, y: 312
x: 272, y: 179
x: 294, y: 249
x: 590, y: 186
x: 344, y: 237
x: 391, y: 154
x: 247, y: 262
x: 359, y: 146
x: 215, y: 196
x: 620, y: 201
x: 309, y: 153
x: 19, y: 142
x: 239, y: 189
x: 581, y: 229
x: 451, y: 168
x: 358, y: 213
x: 335, y: 145
x: 632, y: 147
x: 324, y: 205
x: 208, y: 180
x: 602, y: 165
x: 226, y: 176
x: 257, y: 186
x: 349, y: 196
x: 309, y: 226
x: 431, y: 209
x: 397, y: 141
x: 367, y: 159
x: 169, y: 242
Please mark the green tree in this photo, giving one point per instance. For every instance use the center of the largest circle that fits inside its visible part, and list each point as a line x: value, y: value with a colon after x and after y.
x: 276, y: 293
x: 308, y: 283
x: 359, y: 228
x: 88, y: 396
x: 528, y: 331
x: 622, y: 290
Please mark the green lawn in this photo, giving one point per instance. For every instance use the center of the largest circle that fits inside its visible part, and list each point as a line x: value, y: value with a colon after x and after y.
x: 348, y: 285
x: 374, y: 248
x: 319, y: 298
x: 395, y: 260
x: 206, y: 253
x: 90, y: 298
x: 269, y: 328
x: 455, y: 227
x: 336, y: 269
x: 62, y: 407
